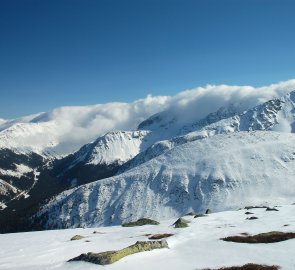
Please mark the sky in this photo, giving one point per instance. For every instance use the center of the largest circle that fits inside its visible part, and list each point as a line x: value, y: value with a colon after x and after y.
x: 79, y: 52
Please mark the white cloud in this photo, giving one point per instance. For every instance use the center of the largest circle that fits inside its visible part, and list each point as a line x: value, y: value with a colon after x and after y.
x: 196, y: 103
x: 68, y: 128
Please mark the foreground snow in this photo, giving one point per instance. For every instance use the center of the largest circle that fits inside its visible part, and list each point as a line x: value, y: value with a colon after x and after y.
x: 196, y: 247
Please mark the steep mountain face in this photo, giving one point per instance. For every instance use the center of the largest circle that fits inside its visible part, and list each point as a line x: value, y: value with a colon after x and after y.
x: 20, y: 184
x: 18, y: 174
x: 102, y: 158
x: 94, y: 161
x: 221, y: 172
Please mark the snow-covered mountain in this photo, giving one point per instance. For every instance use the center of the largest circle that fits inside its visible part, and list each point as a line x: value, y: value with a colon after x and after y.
x: 18, y: 174
x: 113, y: 147
x: 273, y: 115
x: 64, y: 130
x: 221, y: 172
x: 137, y: 158
x: 278, y: 113
x: 28, y: 178
x: 102, y: 158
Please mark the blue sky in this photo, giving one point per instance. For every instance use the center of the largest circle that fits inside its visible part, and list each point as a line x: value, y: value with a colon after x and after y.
x: 79, y: 52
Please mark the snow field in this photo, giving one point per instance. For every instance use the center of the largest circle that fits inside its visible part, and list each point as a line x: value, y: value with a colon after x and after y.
x: 196, y: 247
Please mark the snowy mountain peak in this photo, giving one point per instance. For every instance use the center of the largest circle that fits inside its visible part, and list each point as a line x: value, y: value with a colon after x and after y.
x: 276, y: 114
x: 220, y: 114
x: 103, y: 157
x: 119, y: 146
x: 29, y: 137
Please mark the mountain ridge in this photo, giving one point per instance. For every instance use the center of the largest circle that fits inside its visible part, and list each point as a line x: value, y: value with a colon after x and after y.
x: 119, y: 152
x: 190, y: 177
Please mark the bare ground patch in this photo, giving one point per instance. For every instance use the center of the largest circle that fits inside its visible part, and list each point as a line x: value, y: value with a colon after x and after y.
x: 249, y: 266
x: 269, y: 237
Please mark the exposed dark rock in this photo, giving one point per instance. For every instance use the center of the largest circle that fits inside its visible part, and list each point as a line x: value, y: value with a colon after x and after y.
x: 251, y: 218
x: 160, y: 236
x: 141, y: 222
x: 77, y: 237
x: 208, y: 211
x: 181, y: 223
x: 271, y: 209
x: 269, y: 237
x: 199, y: 215
x: 97, y: 232
x: 249, y: 213
x: 249, y: 266
x: 254, y: 207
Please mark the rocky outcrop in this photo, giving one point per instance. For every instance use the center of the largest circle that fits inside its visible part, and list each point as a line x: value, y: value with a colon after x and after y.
x: 160, y: 236
x: 249, y: 266
x: 141, y: 222
x: 269, y: 237
x: 110, y: 257
x: 77, y: 237
x: 181, y: 223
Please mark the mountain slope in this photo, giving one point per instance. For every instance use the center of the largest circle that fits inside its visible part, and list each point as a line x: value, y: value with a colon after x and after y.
x: 276, y: 115
x: 94, y: 161
x: 18, y: 174
x: 102, y: 158
x: 222, y: 172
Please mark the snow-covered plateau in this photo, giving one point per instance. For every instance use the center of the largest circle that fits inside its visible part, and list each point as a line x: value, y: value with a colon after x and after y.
x: 196, y: 247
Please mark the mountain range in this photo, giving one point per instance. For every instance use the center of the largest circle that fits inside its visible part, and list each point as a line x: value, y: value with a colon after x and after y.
x: 166, y: 167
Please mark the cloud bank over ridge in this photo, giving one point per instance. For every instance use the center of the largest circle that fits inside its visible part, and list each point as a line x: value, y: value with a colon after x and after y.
x: 68, y: 128
x: 195, y: 104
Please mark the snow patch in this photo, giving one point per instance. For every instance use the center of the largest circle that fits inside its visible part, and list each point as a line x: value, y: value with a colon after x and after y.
x: 2, y: 206
x: 20, y: 170
x: 7, y: 189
